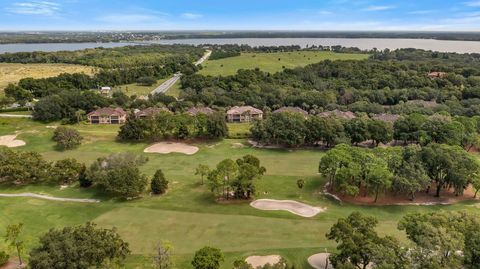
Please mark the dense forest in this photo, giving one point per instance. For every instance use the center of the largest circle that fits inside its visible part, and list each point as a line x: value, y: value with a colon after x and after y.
x: 121, y: 57
x: 384, y: 83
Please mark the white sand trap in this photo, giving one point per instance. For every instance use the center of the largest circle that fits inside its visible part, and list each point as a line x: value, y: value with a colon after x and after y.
x: 51, y: 198
x: 294, y: 207
x: 170, y: 147
x: 11, y: 141
x: 260, y: 261
x: 319, y: 261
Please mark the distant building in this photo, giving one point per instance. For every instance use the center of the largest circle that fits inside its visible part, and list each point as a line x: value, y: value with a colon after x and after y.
x: 200, y: 110
x: 291, y: 110
x: 150, y: 112
x: 105, y: 90
x: 386, y: 117
x: 437, y: 74
x: 107, y: 115
x: 243, y: 114
x: 348, y: 115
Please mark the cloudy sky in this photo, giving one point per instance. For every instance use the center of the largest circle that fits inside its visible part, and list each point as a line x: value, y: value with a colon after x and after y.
x: 239, y: 15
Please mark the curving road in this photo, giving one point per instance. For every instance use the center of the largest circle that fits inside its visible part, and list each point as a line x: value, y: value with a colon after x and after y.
x: 165, y: 86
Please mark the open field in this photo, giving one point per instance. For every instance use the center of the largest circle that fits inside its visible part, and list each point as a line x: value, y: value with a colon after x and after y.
x: 12, y: 73
x: 187, y: 215
x: 139, y: 90
x: 272, y: 62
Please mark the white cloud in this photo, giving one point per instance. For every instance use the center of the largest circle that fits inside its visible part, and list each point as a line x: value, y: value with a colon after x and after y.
x: 34, y: 8
x: 473, y: 4
x: 378, y: 8
x: 191, y: 16
x: 420, y: 12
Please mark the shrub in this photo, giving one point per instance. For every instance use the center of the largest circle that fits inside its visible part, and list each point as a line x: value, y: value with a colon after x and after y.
x: 159, y: 184
x: 3, y: 258
x: 67, y: 138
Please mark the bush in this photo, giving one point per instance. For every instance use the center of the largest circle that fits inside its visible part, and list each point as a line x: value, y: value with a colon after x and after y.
x: 208, y: 258
x: 159, y: 184
x: 67, y: 138
x: 3, y: 258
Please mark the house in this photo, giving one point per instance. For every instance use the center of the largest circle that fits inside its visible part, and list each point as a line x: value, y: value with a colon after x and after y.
x: 150, y: 112
x: 434, y: 75
x: 243, y: 114
x: 348, y: 115
x: 386, y: 117
x: 200, y: 110
x: 107, y: 115
x: 291, y: 110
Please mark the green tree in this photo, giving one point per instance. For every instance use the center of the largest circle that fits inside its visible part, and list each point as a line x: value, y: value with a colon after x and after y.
x: 379, y: 178
x: 216, y: 126
x: 67, y: 171
x: 208, y: 258
x: 80, y: 247
x: 300, y: 183
x: 357, y: 240
x: 12, y: 238
x: 119, y: 174
x: 241, y: 264
x: 227, y: 170
x: 357, y: 130
x: 380, y: 131
x: 202, y: 170
x: 159, y: 183
x: 408, y: 128
x: 163, y: 256
x: 67, y: 138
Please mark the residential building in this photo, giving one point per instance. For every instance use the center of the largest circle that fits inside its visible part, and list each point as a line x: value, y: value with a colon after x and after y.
x: 150, y: 112
x: 243, y: 114
x: 347, y: 115
x: 200, y: 110
x: 107, y: 115
x: 291, y: 110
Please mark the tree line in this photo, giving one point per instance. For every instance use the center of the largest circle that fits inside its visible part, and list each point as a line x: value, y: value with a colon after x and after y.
x: 294, y: 129
x: 355, y: 171
x: 167, y: 125
x: 383, y: 83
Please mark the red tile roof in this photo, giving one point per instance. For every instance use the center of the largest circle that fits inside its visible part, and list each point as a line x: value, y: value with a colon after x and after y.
x: 244, y: 109
x: 108, y: 111
x: 292, y: 110
x: 348, y: 115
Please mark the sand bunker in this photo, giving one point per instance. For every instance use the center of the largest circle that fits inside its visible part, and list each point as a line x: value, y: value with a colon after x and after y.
x: 260, y: 261
x: 51, y: 198
x: 11, y: 141
x: 170, y: 147
x: 319, y: 261
x: 294, y: 207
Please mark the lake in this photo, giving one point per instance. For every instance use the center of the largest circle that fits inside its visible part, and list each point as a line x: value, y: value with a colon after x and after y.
x: 362, y: 43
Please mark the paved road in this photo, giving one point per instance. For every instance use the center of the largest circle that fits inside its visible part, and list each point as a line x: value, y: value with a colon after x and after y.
x: 15, y: 116
x: 164, y: 87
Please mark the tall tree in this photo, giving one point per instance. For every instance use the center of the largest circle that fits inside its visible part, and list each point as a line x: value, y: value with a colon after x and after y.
x: 208, y: 258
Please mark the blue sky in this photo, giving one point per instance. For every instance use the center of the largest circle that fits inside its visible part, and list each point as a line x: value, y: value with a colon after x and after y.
x: 240, y: 15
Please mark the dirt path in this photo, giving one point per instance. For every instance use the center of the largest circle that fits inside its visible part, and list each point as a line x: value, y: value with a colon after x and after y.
x: 51, y: 198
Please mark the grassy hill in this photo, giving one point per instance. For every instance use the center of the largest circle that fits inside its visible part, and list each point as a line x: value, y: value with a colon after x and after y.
x: 272, y: 62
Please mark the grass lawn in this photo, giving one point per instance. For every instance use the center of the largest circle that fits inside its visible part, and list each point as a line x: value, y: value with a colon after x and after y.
x: 239, y: 130
x: 13, y: 72
x: 135, y: 89
x: 174, y: 90
x: 187, y: 215
x: 272, y: 62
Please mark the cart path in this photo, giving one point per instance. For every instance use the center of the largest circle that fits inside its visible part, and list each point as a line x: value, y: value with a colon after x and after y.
x: 51, y: 198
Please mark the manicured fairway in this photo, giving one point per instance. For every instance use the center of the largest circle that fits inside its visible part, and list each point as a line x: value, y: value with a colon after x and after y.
x: 187, y: 215
x: 272, y: 62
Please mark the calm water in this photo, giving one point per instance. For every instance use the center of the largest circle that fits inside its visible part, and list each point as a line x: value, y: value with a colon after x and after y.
x: 362, y: 43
